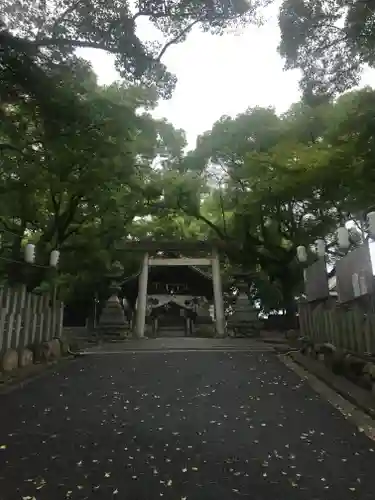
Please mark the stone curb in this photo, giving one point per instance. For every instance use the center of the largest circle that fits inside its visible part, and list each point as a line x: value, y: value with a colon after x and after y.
x: 349, y: 391
x: 174, y: 351
x: 22, y: 376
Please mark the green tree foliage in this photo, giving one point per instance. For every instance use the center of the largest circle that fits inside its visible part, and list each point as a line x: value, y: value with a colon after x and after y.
x: 77, y: 182
x: 37, y: 35
x: 108, y: 171
x: 329, y: 40
x: 276, y: 182
x: 84, y: 168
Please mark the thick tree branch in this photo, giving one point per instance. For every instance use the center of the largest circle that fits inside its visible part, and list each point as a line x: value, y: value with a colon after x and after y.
x: 177, y: 39
x: 63, y: 42
x: 5, y: 146
x: 213, y: 226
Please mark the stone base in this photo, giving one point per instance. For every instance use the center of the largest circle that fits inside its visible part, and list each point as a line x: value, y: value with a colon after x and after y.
x: 40, y: 352
x: 244, y: 321
x: 112, y: 321
x: 244, y: 330
x: 54, y: 349
x: 25, y: 358
x: 205, y: 331
x: 64, y: 347
x: 118, y: 331
x: 9, y: 360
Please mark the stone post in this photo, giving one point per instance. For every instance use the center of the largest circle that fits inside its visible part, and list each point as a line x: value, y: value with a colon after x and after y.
x: 142, y: 299
x: 218, y: 294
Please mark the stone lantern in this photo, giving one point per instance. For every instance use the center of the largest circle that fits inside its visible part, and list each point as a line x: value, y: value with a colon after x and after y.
x: 112, y: 321
x: 244, y: 319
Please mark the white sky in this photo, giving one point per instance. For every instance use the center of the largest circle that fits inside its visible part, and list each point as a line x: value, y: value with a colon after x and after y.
x: 220, y: 75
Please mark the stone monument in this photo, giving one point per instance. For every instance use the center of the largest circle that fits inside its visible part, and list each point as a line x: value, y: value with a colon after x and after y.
x: 244, y: 320
x: 112, y: 321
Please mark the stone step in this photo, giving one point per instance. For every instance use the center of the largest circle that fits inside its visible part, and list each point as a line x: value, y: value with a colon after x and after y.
x: 162, y: 327
x: 170, y: 332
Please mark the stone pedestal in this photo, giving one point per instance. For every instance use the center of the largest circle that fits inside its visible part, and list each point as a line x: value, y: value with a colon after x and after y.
x: 244, y: 321
x: 112, y: 320
x: 203, y: 315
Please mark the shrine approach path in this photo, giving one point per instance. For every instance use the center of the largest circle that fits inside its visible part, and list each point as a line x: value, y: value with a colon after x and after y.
x: 179, y: 426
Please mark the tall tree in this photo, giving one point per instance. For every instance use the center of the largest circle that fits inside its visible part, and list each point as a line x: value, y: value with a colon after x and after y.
x: 267, y: 175
x: 79, y: 187
x: 329, y: 40
x: 34, y: 35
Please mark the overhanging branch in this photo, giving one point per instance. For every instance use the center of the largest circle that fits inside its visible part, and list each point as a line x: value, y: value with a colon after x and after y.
x: 175, y: 40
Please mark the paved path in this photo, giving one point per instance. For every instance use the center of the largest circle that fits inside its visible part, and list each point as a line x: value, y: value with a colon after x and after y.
x: 184, y: 344
x: 194, y: 426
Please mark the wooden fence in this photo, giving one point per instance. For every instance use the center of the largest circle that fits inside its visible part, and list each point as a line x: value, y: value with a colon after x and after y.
x: 27, y: 318
x: 348, y: 326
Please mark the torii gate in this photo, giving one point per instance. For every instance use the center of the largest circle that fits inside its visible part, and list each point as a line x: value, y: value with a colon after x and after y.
x: 148, y: 262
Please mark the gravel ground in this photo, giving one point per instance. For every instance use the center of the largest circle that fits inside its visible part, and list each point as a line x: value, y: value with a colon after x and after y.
x: 193, y: 426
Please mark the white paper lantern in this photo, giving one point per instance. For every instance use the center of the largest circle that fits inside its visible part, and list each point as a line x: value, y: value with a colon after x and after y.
x: 343, y: 237
x: 371, y: 223
x: 301, y: 253
x: 320, y: 247
x: 54, y: 258
x: 30, y: 253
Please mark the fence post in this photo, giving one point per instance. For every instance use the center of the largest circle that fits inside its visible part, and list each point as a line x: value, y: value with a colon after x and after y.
x: 26, y: 320
x: 327, y: 323
x: 34, y: 317
x: 40, y: 324
x: 4, y: 306
x: 352, y: 332
x: 330, y: 326
x: 301, y: 317
x: 334, y: 323
x: 346, y: 325
x: 59, y: 318
x: 53, y: 325
x: 9, y: 337
x: 47, y: 317
x: 2, y: 292
x: 359, y: 321
x: 320, y: 320
x: 371, y: 332
x: 314, y: 324
x: 17, y: 335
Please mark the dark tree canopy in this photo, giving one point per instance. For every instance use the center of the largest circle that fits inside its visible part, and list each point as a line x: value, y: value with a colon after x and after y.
x: 85, y: 168
x: 41, y: 31
x: 329, y: 40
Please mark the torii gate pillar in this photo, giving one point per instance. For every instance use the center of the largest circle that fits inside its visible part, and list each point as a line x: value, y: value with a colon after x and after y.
x: 142, y: 299
x: 218, y: 294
